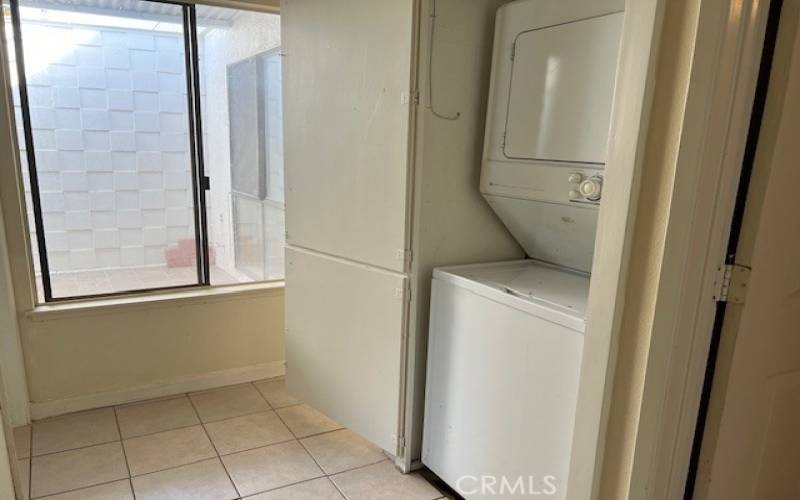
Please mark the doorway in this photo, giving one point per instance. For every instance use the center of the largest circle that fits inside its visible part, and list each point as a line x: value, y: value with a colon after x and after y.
x: 745, y: 443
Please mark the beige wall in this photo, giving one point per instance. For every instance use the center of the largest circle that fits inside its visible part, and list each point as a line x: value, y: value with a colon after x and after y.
x: 448, y: 164
x: 93, y: 352
x: 6, y: 482
x: 674, y: 63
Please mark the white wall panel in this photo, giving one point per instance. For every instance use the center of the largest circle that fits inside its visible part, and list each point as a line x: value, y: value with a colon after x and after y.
x: 344, y: 333
x: 347, y: 68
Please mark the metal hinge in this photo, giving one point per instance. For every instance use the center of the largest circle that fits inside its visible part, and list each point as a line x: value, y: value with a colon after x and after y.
x: 401, y: 445
x: 731, y: 283
x: 404, y: 292
x: 405, y: 256
x: 410, y: 98
x: 205, y: 183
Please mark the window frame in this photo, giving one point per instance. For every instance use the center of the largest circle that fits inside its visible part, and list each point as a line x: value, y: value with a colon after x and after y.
x: 200, y: 183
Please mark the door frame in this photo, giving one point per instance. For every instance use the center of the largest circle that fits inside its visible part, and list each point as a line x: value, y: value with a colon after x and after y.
x: 630, y: 116
x: 716, y: 119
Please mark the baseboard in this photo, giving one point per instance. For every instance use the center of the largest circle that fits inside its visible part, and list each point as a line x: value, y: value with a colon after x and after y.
x: 44, y: 409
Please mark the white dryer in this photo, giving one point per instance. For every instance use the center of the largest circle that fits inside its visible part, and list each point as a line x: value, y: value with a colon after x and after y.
x: 553, y: 72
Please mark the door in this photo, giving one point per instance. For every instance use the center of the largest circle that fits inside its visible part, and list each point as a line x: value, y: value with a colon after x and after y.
x: 751, y: 446
x: 347, y: 77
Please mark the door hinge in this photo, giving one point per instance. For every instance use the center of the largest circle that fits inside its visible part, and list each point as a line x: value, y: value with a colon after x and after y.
x: 205, y: 183
x: 405, y: 256
x: 401, y: 445
x: 411, y: 97
x: 731, y: 283
x: 404, y: 292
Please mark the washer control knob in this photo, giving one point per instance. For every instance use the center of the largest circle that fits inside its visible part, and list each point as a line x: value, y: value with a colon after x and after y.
x: 592, y: 188
x: 574, y: 194
x: 576, y: 178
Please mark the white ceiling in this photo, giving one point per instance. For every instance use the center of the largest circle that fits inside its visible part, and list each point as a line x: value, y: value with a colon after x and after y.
x: 204, y: 12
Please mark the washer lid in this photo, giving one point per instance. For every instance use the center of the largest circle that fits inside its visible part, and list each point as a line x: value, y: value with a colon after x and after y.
x: 549, y: 292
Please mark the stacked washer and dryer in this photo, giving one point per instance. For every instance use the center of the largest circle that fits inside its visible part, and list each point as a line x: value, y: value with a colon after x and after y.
x: 506, y: 339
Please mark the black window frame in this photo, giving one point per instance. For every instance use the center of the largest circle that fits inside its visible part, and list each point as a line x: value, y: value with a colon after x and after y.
x: 200, y: 182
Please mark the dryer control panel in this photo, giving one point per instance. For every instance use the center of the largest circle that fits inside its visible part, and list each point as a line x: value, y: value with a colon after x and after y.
x: 585, y: 189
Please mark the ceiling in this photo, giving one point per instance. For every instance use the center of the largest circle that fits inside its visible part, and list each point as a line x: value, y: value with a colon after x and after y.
x: 146, y: 8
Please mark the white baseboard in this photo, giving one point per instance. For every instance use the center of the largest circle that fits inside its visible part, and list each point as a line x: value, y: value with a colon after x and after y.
x: 44, y: 409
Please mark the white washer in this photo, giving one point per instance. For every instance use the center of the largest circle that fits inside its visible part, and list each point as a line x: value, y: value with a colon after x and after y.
x: 503, y: 365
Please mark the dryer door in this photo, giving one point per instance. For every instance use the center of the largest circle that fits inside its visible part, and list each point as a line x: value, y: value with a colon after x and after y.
x: 562, y: 85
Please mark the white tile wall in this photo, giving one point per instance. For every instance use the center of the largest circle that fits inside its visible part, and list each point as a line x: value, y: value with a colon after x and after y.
x: 109, y: 119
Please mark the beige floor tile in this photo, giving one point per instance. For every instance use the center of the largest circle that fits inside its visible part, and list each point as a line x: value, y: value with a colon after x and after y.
x: 247, y: 432
x: 119, y: 490
x: 228, y: 402
x: 205, y: 480
x: 317, y: 489
x: 305, y: 421
x: 274, y: 390
x: 384, y: 482
x: 271, y: 467
x: 71, y: 470
x: 24, y: 470
x: 167, y: 449
x: 342, y: 450
x: 22, y: 441
x: 156, y: 416
x: 76, y: 430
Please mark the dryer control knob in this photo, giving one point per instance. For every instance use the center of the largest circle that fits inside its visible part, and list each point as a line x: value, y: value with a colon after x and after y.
x: 575, y: 178
x: 592, y: 188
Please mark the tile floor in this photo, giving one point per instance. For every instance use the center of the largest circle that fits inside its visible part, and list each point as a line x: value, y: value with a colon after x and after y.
x: 249, y: 441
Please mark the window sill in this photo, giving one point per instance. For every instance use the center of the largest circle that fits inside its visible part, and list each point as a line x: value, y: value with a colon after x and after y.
x: 47, y: 312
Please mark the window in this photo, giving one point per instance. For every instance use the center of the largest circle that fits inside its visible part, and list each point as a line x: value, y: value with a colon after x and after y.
x: 114, y: 107
x: 254, y: 98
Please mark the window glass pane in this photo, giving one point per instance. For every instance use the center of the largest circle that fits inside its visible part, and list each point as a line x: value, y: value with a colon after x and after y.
x: 240, y: 73
x: 109, y: 117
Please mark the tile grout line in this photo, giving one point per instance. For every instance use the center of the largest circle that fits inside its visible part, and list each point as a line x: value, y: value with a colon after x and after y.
x: 324, y: 474
x: 200, y: 422
x: 173, y: 467
x: 75, y: 449
x: 156, y: 399
x: 121, y: 440
x: 229, y: 454
x: 286, y: 486
x: 328, y: 477
x: 219, y: 457
x: 73, y: 490
x: 124, y: 453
